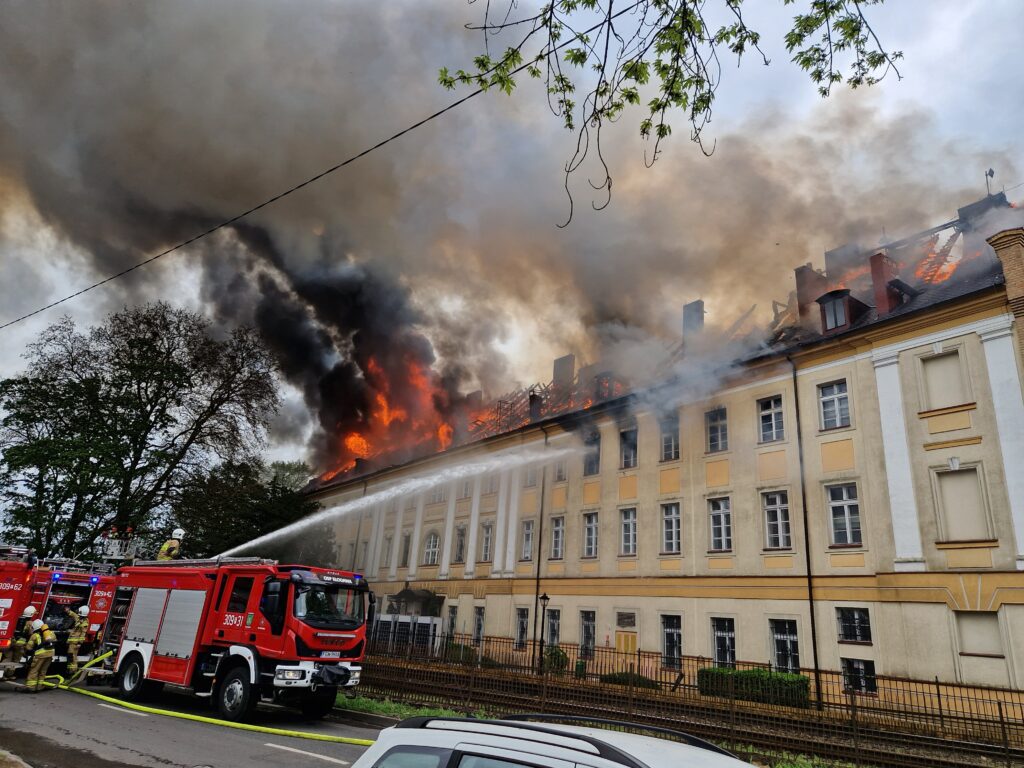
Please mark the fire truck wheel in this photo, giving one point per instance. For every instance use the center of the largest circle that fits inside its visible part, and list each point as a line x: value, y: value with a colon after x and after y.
x: 132, y: 681
x: 236, y: 696
x: 317, y: 705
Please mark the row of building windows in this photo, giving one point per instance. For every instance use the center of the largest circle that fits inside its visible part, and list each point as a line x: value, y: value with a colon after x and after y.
x: 853, y: 625
x: 844, y: 518
x: 834, y: 413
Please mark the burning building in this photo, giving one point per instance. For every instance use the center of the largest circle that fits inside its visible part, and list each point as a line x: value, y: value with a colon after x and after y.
x: 844, y: 492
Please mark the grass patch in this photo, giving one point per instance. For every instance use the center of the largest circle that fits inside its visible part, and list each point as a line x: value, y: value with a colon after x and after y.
x: 389, y: 708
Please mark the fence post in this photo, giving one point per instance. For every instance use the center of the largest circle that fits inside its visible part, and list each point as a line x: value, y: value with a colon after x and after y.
x: 472, y: 683
x: 942, y: 716
x: 1006, y: 738
x: 630, y: 690
x: 732, y: 711
x: 544, y: 691
x: 853, y: 725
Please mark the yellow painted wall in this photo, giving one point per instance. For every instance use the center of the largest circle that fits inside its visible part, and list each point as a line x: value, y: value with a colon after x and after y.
x: 837, y: 455
x: 717, y: 473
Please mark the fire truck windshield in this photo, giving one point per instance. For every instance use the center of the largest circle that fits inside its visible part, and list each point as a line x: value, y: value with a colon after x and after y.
x: 328, y: 606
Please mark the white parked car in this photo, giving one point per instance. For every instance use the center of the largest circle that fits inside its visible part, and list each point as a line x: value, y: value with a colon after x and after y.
x: 538, y: 741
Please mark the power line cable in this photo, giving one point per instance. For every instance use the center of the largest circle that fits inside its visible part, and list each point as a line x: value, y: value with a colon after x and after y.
x: 301, y: 185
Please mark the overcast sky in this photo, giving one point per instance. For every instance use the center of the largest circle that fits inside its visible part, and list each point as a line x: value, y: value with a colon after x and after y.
x: 112, y: 109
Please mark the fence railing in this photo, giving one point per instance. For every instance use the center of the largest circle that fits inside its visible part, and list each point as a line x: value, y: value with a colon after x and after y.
x: 743, y: 692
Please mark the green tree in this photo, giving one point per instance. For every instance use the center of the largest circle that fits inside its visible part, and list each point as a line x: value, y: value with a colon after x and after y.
x: 105, y: 426
x: 599, y: 57
x: 234, y: 503
x: 291, y: 474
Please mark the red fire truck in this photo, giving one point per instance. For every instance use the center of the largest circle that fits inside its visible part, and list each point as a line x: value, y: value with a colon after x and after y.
x: 239, y: 630
x: 52, y: 586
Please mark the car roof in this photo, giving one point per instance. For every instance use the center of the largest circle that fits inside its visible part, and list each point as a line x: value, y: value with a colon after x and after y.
x: 582, y: 743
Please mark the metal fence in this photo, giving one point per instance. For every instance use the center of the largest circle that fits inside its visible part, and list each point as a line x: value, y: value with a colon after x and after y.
x: 872, y: 720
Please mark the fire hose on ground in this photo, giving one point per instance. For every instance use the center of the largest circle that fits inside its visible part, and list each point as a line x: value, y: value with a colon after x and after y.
x: 69, y: 686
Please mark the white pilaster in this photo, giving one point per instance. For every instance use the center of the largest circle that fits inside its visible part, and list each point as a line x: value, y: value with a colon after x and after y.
x: 417, y: 533
x: 396, y: 540
x: 379, y: 511
x: 513, y: 521
x: 474, y: 526
x: 1008, y: 404
x: 902, y: 504
x: 498, y: 567
x: 449, y: 530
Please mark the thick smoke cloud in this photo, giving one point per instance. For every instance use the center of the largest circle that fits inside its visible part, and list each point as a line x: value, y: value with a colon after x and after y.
x: 127, y: 126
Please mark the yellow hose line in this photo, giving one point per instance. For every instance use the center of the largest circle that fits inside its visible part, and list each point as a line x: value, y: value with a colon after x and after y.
x: 210, y: 720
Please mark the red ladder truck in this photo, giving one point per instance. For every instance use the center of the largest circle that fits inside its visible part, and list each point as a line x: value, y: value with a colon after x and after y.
x: 53, y: 586
x: 239, y: 630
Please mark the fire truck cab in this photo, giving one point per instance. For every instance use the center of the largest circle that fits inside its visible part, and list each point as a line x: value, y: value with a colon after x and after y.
x: 54, y: 587
x: 238, y: 630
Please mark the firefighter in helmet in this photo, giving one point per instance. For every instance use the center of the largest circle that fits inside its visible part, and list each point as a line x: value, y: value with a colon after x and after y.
x: 171, y: 549
x: 40, y: 647
x: 22, y: 631
x: 76, y: 635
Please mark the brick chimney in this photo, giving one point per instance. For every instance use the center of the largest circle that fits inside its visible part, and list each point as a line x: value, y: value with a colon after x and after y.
x: 1009, y: 248
x: 884, y: 270
x: 810, y: 284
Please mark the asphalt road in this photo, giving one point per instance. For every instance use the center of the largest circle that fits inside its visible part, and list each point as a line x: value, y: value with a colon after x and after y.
x: 57, y: 729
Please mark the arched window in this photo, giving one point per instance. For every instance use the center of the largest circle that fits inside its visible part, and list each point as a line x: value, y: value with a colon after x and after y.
x: 430, y: 548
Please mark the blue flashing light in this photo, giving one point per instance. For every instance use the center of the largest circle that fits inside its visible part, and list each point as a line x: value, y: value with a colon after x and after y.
x: 359, y: 575
x: 94, y: 579
x: 56, y: 577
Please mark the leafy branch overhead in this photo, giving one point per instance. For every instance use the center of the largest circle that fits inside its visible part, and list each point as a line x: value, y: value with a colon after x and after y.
x: 598, y: 57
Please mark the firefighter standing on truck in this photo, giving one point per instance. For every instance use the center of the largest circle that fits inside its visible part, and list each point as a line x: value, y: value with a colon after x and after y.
x: 40, y: 648
x: 22, y: 632
x: 171, y: 549
x: 76, y: 635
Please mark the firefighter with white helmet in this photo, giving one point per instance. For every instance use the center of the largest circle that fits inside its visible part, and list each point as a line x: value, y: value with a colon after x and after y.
x: 40, y: 647
x: 76, y: 635
x: 171, y: 549
x: 22, y: 632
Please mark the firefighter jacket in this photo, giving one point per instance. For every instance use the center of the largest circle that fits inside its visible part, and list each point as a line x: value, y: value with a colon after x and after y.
x: 79, y: 629
x: 171, y: 550
x: 41, y: 643
x: 22, y: 632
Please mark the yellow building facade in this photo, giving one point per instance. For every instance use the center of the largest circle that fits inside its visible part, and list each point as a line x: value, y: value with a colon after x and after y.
x: 854, y: 502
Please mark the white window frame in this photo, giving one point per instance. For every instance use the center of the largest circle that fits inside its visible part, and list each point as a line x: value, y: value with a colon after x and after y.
x: 861, y: 626
x: 553, y: 630
x: 728, y: 633
x: 770, y: 407
x: 486, y: 542
x: 778, y: 533
x: 453, y: 620
x: 459, y: 550
x: 790, y: 639
x: 592, y: 452
x: 669, y: 438
x: 591, y: 534
x: 671, y: 528
x: 438, y: 494
x: 848, y: 517
x: 629, y: 450
x: 431, y: 547
x: 465, y: 489
x: 526, y: 552
x: 835, y: 313
x: 716, y: 422
x: 530, y: 477
x: 561, y: 471
x: 479, y: 618
x: 522, y: 627
x: 587, y: 649
x: 557, y: 538
x: 490, y: 484
x: 837, y: 400
x: 670, y: 660
x: 856, y: 669
x: 720, y: 523
x: 627, y: 532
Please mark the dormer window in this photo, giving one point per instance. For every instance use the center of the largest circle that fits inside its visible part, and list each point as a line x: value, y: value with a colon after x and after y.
x: 840, y: 310
x: 834, y: 312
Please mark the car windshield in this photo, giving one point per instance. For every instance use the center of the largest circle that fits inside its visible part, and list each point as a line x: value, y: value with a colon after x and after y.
x: 329, y: 606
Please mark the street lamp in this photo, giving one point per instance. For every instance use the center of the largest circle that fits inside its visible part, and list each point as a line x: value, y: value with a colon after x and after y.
x: 544, y: 600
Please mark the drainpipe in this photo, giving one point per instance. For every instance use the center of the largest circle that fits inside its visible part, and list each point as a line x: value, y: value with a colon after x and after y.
x: 537, y: 545
x: 807, y: 538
